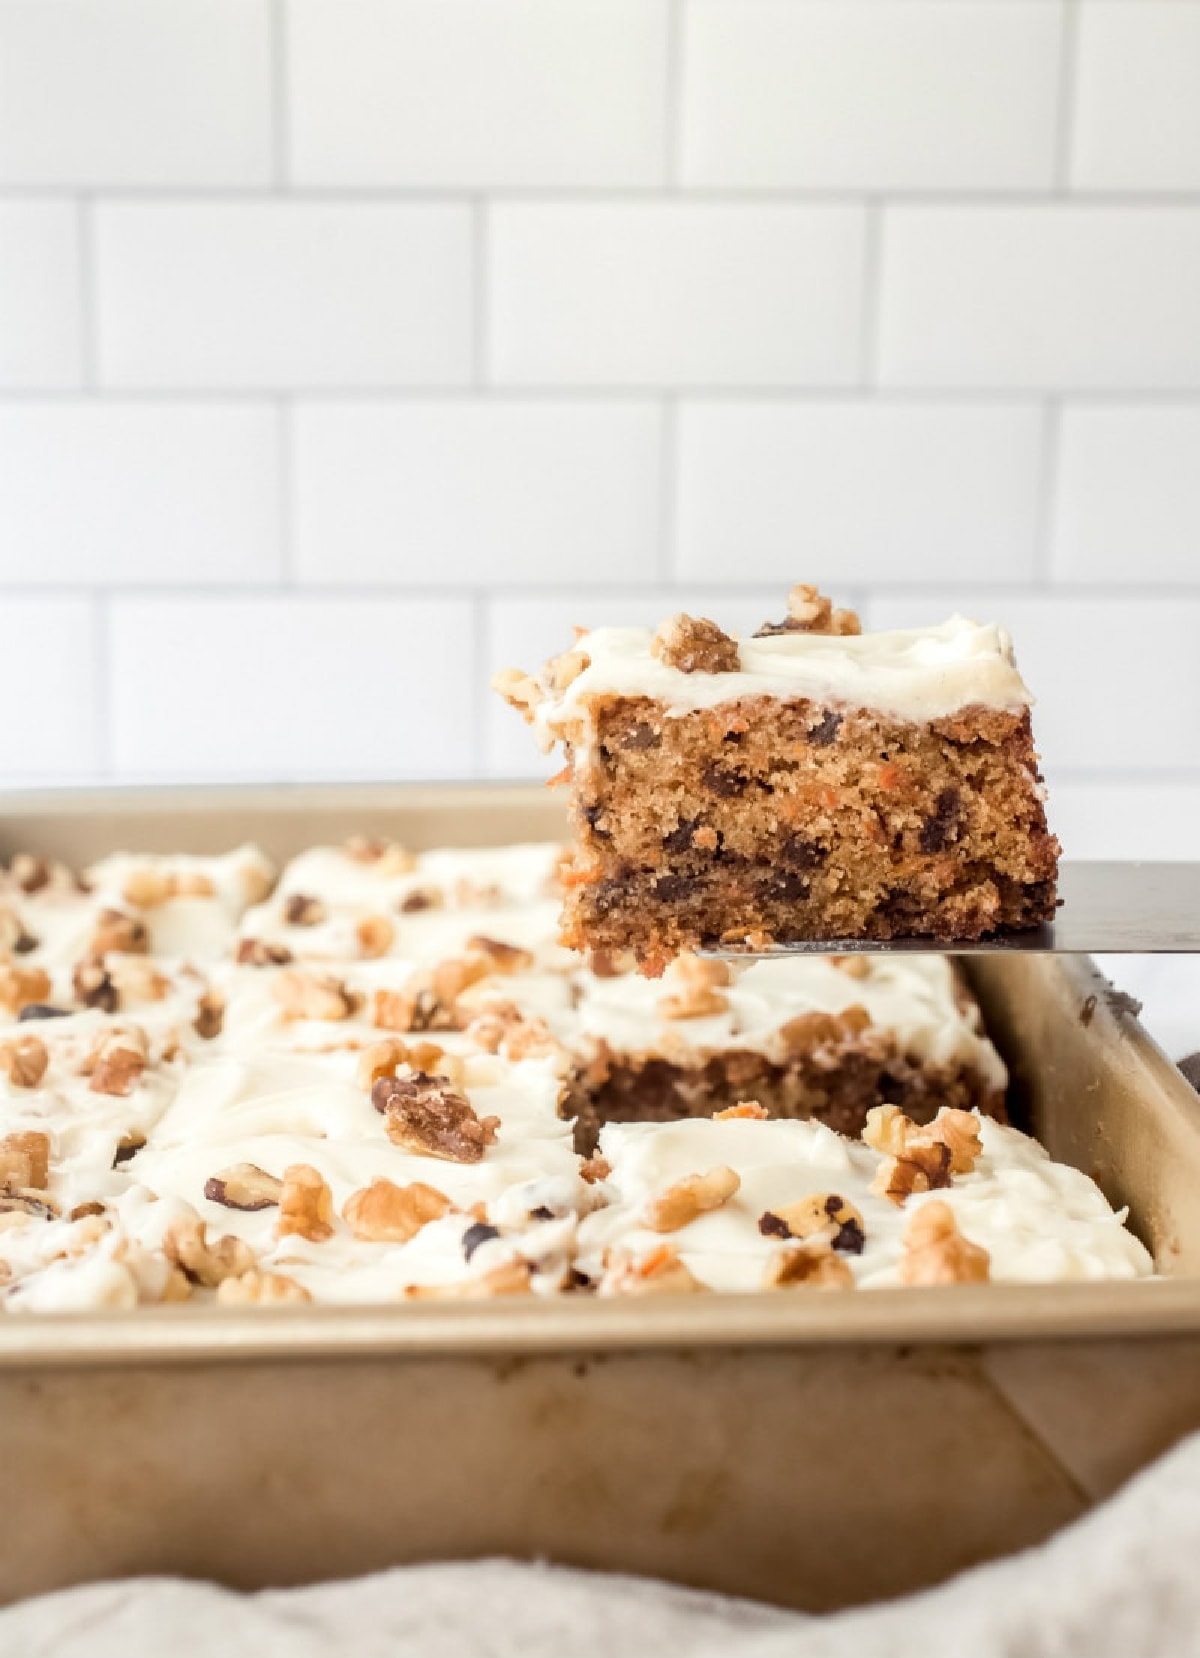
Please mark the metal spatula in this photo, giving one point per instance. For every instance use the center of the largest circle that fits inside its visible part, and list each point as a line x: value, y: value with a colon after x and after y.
x: 1105, y: 908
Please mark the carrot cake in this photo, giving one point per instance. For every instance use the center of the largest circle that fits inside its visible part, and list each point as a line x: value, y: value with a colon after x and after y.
x: 810, y: 782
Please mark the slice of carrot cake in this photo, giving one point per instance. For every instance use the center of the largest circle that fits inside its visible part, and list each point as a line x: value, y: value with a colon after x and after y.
x: 811, y: 782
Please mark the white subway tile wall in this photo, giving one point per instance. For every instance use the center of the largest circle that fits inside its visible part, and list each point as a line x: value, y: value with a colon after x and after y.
x: 351, y: 349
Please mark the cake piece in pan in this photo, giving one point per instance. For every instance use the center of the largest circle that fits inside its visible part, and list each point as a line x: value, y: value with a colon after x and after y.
x: 810, y: 782
x: 743, y: 1204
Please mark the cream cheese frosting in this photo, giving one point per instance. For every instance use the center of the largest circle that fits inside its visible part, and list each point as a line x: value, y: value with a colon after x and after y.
x: 238, y: 1072
x: 913, y: 674
x: 1041, y: 1222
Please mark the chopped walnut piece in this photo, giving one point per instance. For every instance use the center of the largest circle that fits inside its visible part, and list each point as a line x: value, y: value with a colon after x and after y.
x: 299, y: 910
x: 924, y: 1167
x: 30, y: 873
x: 94, y: 986
x: 854, y: 967
x: 24, y: 1060
x: 694, y: 1195
x: 421, y: 898
x: 27, y: 1203
x: 138, y: 980
x: 611, y: 964
x: 374, y: 934
x: 210, y: 1015
x: 813, y: 1264
x: 386, y: 1213
x: 810, y: 1033
x: 21, y: 986
x: 935, y: 1251
x: 146, y: 888
x: 386, y: 857
x: 660, y: 1272
x: 117, y: 931
x: 379, y: 1060
x: 890, y: 1131
x: 594, y: 1169
x: 959, y: 1130
x: 244, y: 1186
x: 118, y: 1060
x: 695, y: 991
x: 749, y: 1109
x: 305, y: 1204
x: 821, y: 1215
x: 563, y: 670
x: 519, y: 690
x: 809, y: 611
x: 256, y: 952
x: 393, y: 1010
x: 192, y: 883
x: 260, y: 1289
x: 425, y: 1114
x: 25, y: 1161
x: 504, y: 958
x: 187, y: 1246
x: 695, y: 645
x: 509, y: 1278
x: 305, y: 996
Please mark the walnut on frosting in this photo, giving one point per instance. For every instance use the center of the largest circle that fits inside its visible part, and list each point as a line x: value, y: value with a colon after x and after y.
x: 24, y: 1060
x: 117, y: 931
x: 694, y: 645
x: 312, y: 996
x: 186, y: 1245
x: 687, y: 1199
x: 659, y: 1272
x: 244, y: 1186
x: 424, y: 1114
x: 22, y: 986
x: 430, y: 998
x: 695, y: 986
x: 25, y: 1161
x: 509, y: 1278
x: 305, y: 1204
x: 935, y: 1251
x: 260, y: 1289
x: 385, y: 857
x: 520, y: 690
x: 920, y: 1158
x: 811, y: 1264
x: 809, y: 611
x: 386, y: 1213
x: 115, y: 1065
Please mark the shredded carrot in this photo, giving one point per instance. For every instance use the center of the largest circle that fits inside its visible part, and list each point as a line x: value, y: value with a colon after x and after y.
x: 559, y: 778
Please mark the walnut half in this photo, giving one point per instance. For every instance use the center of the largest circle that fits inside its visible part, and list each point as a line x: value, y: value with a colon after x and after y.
x: 935, y: 1251
x: 695, y: 645
x: 690, y: 1197
x: 426, y: 1115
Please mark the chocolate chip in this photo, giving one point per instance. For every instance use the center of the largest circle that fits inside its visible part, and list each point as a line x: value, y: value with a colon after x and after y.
x: 541, y: 1213
x: 25, y: 943
x: 680, y: 839
x: 849, y: 1238
x: 786, y: 885
x: 825, y: 731
x: 41, y: 1010
x: 940, y: 828
x: 126, y: 1151
x: 799, y: 853
x: 475, y: 1235
x: 673, y: 889
x: 727, y: 784
x: 772, y: 1227
x: 640, y: 736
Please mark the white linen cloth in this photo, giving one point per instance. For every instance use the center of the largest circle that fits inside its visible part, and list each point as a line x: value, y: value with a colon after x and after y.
x: 1120, y: 1583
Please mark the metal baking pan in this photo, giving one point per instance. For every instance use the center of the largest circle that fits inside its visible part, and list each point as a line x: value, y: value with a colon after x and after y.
x: 814, y: 1451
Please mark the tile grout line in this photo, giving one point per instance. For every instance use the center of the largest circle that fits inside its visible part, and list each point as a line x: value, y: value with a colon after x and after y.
x: 574, y: 392
x: 88, y: 296
x: 872, y: 296
x: 673, y: 112
x: 1047, y: 494
x: 481, y: 250
x: 481, y: 643
x: 102, y: 734
x: 668, y: 484
x: 1067, y: 72
x: 784, y: 196
x: 280, y: 108
x: 285, y: 440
